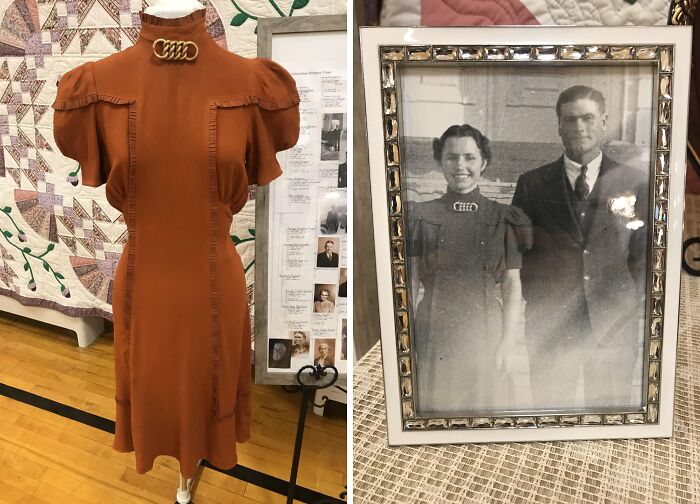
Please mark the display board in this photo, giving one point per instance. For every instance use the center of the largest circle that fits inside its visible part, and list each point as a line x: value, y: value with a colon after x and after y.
x: 302, y: 217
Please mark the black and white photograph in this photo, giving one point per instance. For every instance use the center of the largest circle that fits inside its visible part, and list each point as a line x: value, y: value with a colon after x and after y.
x: 332, y: 129
x: 324, y: 298
x: 527, y: 229
x: 280, y: 353
x: 328, y: 252
x: 333, y: 213
x: 343, y: 339
x: 343, y: 165
x: 343, y: 283
x: 324, y: 352
x: 300, y: 344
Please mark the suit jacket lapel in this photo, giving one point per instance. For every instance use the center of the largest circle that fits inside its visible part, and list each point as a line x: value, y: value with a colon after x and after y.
x: 605, y: 167
x: 600, y: 194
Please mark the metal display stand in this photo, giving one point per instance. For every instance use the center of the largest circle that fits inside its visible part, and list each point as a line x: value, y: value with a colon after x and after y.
x: 691, y: 246
x: 310, y: 379
x: 316, y: 373
x: 186, y: 487
x: 691, y: 260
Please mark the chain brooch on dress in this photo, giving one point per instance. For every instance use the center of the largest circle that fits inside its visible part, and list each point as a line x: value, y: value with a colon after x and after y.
x: 174, y: 50
x: 463, y: 206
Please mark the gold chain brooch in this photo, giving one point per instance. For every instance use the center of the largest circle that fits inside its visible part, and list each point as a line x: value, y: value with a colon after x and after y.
x: 175, y: 49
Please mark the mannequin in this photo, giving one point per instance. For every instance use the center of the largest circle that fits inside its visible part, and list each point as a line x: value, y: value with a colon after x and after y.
x: 170, y: 9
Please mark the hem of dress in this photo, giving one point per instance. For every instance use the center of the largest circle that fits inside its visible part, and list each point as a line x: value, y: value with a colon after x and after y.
x: 147, y: 467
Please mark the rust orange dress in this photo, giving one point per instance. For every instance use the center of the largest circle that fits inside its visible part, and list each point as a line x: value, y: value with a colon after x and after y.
x: 178, y: 142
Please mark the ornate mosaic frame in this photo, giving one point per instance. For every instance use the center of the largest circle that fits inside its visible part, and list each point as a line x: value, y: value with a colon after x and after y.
x: 390, y: 57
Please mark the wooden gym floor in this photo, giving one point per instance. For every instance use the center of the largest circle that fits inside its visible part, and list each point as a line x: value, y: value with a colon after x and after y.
x: 47, y: 458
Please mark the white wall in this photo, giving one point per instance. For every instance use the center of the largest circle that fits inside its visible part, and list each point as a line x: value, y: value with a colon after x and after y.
x: 516, y: 103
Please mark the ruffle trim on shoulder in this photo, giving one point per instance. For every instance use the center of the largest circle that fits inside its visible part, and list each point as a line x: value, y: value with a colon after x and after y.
x: 271, y: 88
x: 266, y: 103
x: 77, y: 88
x: 87, y: 100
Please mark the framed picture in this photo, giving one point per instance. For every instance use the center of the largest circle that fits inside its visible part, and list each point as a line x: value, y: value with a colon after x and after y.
x: 301, y: 219
x: 527, y: 196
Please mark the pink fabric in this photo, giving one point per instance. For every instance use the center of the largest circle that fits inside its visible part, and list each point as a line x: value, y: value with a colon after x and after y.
x: 475, y: 12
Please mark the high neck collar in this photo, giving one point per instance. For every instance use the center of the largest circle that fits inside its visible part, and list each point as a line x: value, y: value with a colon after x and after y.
x: 473, y: 195
x: 190, y: 27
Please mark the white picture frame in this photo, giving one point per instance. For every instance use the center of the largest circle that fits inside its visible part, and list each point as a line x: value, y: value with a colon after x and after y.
x: 389, y: 55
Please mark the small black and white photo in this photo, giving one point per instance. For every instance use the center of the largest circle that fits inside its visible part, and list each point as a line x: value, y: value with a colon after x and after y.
x: 343, y: 283
x: 328, y: 252
x: 527, y: 227
x: 324, y: 352
x: 332, y: 129
x: 300, y: 343
x: 333, y: 213
x: 343, y: 354
x: 280, y: 353
x: 324, y: 298
x: 343, y: 164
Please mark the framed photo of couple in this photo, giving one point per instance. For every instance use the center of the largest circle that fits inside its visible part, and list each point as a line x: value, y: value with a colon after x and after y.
x: 527, y: 195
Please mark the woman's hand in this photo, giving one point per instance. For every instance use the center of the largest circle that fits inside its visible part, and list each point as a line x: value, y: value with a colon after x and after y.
x: 505, y: 359
x: 505, y: 356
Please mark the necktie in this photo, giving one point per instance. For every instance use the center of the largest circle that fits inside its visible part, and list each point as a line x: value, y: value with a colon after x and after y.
x: 581, y: 187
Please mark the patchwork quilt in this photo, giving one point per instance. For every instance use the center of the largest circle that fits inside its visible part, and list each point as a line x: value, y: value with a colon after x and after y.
x: 524, y: 12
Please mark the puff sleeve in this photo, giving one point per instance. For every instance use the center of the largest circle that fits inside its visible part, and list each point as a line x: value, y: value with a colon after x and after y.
x: 274, y: 120
x: 74, y: 123
x: 519, y: 236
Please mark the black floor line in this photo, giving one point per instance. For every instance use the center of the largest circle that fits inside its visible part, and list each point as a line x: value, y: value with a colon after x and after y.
x: 242, y: 473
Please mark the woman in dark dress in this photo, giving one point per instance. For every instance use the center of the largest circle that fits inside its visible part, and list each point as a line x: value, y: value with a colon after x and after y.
x: 465, y: 252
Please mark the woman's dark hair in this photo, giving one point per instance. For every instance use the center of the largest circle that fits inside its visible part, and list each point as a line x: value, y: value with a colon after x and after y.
x: 462, y: 130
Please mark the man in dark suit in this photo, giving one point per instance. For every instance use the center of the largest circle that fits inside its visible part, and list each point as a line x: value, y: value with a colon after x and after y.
x: 584, y: 278
x: 343, y: 174
x: 327, y: 259
x: 332, y: 221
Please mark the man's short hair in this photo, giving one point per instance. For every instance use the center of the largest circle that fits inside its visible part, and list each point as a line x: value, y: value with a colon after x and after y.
x: 580, y: 93
x: 329, y: 241
x: 327, y: 291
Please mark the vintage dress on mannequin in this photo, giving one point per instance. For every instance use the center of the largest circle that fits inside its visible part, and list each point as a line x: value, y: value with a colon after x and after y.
x: 178, y: 143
